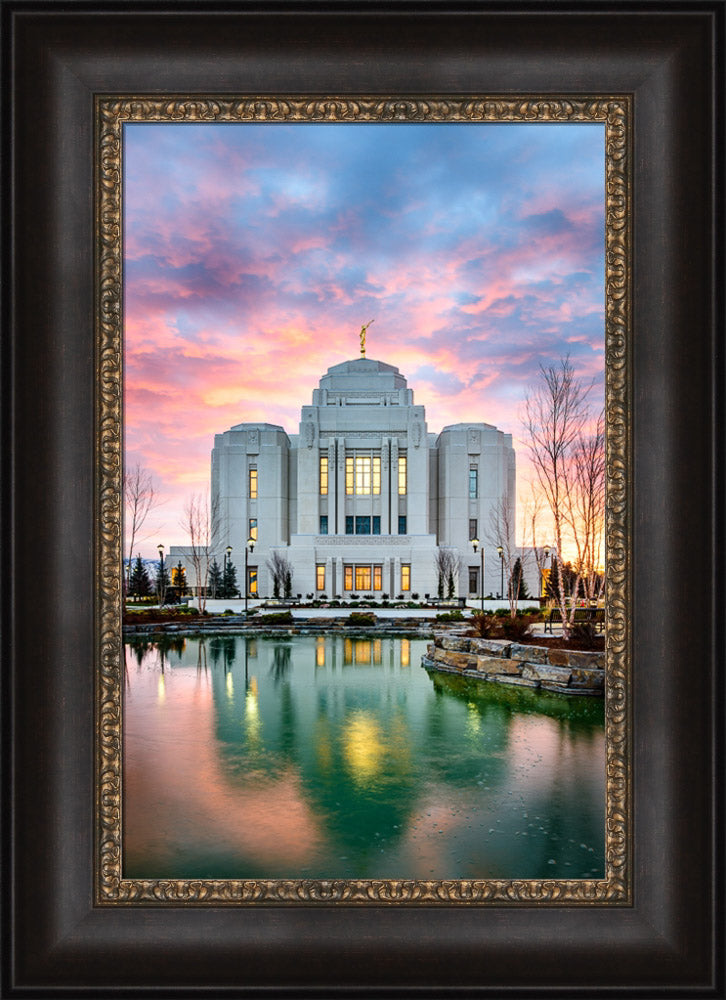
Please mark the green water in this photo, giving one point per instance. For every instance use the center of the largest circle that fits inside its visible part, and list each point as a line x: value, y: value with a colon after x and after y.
x: 333, y: 757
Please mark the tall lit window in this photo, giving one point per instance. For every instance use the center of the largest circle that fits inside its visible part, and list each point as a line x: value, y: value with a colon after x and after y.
x: 320, y: 576
x: 376, y: 474
x: 402, y: 475
x: 348, y: 582
x: 253, y: 529
x: 473, y: 482
x: 405, y: 576
x: 362, y: 578
x: 323, y: 475
x: 378, y: 578
x: 473, y: 533
x: 253, y: 484
x: 362, y: 475
x: 252, y: 580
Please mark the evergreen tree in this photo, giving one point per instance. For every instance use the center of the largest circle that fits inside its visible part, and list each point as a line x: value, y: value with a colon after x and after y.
x: 517, y: 582
x: 452, y: 588
x: 276, y: 588
x: 140, y: 584
x: 179, y: 580
x: 288, y: 583
x: 162, y: 582
x: 229, y: 581
x: 216, y: 583
x: 440, y: 588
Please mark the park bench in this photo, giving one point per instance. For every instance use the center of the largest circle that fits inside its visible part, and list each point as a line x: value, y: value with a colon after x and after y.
x: 596, y: 616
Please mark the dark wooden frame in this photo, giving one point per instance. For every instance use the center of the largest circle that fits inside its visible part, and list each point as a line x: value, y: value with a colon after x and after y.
x: 670, y: 58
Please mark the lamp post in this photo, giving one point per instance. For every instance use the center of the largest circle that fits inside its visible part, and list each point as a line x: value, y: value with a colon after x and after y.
x: 162, y: 589
x: 227, y: 554
x: 500, y: 553
x: 475, y: 546
x: 249, y: 547
x: 546, y: 557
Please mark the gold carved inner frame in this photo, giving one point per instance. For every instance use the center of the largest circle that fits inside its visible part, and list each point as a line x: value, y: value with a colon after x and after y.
x: 111, y: 113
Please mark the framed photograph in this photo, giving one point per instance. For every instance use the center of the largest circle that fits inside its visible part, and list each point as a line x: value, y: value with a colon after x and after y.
x: 134, y: 868
x: 533, y: 325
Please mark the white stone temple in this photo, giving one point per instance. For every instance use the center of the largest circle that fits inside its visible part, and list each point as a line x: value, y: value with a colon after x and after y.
x: 362, y: 497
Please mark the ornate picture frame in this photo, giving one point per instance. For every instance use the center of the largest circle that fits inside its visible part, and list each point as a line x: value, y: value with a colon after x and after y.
x: 112, y: 113
x: 662, y: 934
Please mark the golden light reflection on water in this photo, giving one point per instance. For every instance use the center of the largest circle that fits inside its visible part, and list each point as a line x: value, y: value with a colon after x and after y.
x: 320, y: 651
x: 229, y: 683
x: 405, y: 652
x: 363, y: 747
x: 161, y: 689
x: 473, y: 720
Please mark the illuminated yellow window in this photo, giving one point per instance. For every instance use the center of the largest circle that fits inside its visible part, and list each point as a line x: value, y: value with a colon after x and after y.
x: 378, y: 578
x: 320, y: 576
x: 253, y: 484
x: 253, y: 529
x: 362, y: 475
x: 402, y: 475
x: 323, y: 475
x: 252, y: 580
x: 348, y: 578
x: 405, y: 577
x: 362, y: 578
x: 376, y: 474
x: 349, y: 476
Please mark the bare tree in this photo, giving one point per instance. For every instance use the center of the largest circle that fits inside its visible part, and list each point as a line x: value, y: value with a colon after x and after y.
x: 200, y: 523
x: 139, y: 498
x: 587, y: 508
x: 556, y: 414
x: 501, y: 532
x: 447, y: 563
x: 281, y: 572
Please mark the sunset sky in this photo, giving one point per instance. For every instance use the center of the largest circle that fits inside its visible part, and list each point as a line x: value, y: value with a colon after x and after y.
x: 253, y: 254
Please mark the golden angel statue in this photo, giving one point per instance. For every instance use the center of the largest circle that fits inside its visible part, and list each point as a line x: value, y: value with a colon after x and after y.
x: 363, y: 337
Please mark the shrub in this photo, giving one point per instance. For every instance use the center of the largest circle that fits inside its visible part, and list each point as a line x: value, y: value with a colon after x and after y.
x: 279, y: 618
x: 450, y: 616
x: 309, y: 597
x: 384, y: 597
x: 323, y: 597
x: 534, y: 612
x: 366, y: 618
x: 502, y: 612
x: 485, y: 625
x: 584, y: 633
x: 229, y: 611
x: 414, y: 597
x: 517, y: 628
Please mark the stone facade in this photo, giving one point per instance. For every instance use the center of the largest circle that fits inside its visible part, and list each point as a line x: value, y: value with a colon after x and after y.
x: 360, y: 499
x: 562, y: 671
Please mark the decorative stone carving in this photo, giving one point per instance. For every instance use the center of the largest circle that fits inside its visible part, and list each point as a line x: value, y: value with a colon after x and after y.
x: 474, y: 439
x: 309, y: 432
x: 416, y: 434
x: 253, y: 440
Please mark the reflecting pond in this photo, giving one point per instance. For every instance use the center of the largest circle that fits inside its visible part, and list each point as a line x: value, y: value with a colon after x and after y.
x: 336, y: 757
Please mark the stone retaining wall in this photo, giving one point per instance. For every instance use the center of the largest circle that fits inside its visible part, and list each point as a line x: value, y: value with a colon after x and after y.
x: 560, y: 670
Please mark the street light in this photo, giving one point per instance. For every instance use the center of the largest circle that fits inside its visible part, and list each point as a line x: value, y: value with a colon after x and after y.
x: 227, y: 554
x: 500, y: 553
x: 475, y: 546
x: 546, y: 551
x: 249, y: 547
x: 161, y: 576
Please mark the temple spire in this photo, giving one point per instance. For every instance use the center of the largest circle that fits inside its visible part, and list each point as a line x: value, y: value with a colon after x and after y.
x: 363, y: 337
